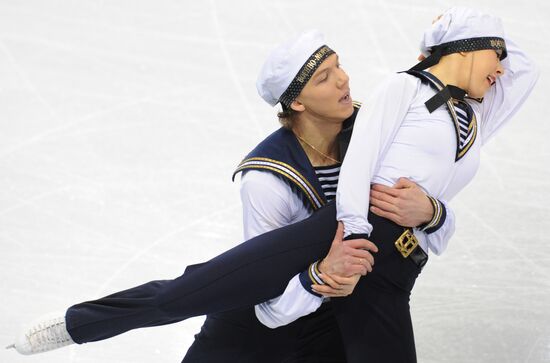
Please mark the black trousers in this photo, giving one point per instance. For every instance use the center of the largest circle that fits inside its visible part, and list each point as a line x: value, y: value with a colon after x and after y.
x: 374, y: 321
x: 238, y: 337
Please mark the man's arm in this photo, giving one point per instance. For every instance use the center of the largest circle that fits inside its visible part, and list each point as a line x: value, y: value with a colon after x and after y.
x: 268, y: 203
x: 405, y: 204
x: 303, y: 295
x: 408, y: 205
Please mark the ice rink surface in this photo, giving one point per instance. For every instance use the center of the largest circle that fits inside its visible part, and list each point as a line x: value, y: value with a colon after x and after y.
x: 121, y: 123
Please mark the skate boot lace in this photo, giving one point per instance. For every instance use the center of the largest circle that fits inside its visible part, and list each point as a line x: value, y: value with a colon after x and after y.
x: 48, y: 335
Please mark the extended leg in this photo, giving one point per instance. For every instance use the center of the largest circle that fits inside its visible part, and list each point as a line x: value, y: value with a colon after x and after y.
x: 250, y: 273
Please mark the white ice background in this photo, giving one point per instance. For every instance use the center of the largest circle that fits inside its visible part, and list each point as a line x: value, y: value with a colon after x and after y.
x: 121, y: 123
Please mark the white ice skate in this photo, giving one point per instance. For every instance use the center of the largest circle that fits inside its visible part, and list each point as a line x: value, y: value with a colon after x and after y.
x: 47, y: 333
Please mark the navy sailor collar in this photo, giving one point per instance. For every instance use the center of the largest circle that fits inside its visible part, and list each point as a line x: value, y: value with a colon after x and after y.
x: 281, y: 154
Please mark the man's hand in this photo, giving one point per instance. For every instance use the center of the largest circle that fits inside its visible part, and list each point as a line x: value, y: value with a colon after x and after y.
x: 336, y: 286
x: 348, y: 258
x: 405, y: 203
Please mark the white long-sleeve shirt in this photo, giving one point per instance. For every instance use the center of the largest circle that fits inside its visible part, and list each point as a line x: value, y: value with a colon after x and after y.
x: 396, y: 137
x: 268, y: 204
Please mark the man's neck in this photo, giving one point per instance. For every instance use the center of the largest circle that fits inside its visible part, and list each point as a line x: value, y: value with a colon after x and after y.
x: 319, y: 139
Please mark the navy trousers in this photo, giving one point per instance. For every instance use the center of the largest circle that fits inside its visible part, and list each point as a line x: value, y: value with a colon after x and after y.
x: 374, y: 321
x: 238, y: 337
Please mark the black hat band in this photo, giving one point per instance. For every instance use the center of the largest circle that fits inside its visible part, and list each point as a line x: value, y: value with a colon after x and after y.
x: 473, y: 44
x: 304, y: 74
x: 463, y: 45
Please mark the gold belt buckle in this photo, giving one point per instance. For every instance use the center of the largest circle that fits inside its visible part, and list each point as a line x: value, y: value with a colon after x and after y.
x: 406, y: 243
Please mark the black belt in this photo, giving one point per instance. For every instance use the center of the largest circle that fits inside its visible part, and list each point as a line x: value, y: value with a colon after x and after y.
x: 419, y: 257
x: 404, y: 240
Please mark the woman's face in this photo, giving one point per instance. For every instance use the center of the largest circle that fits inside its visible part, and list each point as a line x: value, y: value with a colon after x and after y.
x: 327, y: 93
x: 486, y: 68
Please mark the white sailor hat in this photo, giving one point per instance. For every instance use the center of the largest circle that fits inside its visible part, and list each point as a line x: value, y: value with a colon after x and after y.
x: 461, y: 29
x: 290, y: 66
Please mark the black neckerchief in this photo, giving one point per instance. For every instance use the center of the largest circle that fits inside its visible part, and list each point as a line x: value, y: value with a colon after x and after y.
x: 446, y: 95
